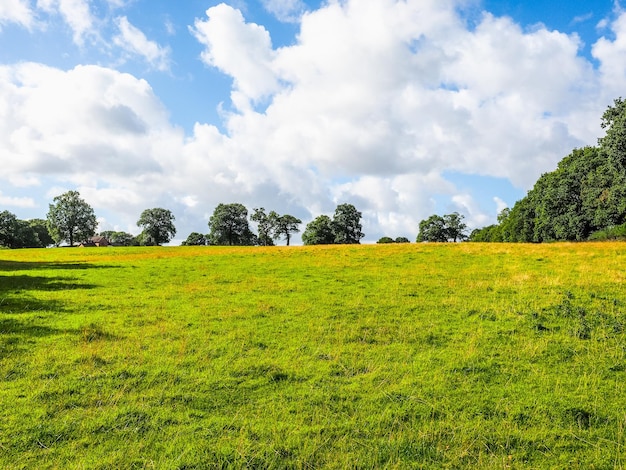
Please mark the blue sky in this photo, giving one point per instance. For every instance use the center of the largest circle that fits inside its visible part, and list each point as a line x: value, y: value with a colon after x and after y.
x: 403, y: 108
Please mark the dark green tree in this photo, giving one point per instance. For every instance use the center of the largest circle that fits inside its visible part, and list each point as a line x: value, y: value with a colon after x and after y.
x: 195, y: 239
x: 614, y: 142
x: 384, y: 240
x: 118, y: 238
x: 265, y: 225
x: 456, y: 229
x: 41, y: 229
x: 319, y: 232
x: 71, y: 219
x: 8, y: 229
x: 432, y: 229
x: 285, y: 225
x: 158, y: 226
x: 346, y: 225
x: 402, y: 240
x: 229, y: 226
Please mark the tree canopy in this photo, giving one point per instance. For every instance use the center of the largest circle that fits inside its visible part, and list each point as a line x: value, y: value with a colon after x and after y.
x: 229, y: 226
x: 158, y: 226
x: 319, y: 232
x: 71, y: 219
x: 346, y: 225
x: 449, y: 228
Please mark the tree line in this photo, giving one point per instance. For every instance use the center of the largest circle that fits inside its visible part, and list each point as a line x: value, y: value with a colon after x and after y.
x: 71, y: 220
x: 583, y: 199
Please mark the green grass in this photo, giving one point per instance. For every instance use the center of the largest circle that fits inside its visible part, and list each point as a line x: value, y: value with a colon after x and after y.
x: 386, y: 356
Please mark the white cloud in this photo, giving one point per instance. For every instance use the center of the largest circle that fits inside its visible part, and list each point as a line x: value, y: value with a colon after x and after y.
x: 135, y: 42
x: 76, y: 13
x: 288, y: 11
x: 16, y: 201
x: 239, y: 49
x: 16, y: 11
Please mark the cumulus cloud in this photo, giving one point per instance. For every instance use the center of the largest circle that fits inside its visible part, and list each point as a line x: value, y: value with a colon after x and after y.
x: 239, y: 49
x: 135, y: 42
x: 374, y: 103
x: 16, y: 11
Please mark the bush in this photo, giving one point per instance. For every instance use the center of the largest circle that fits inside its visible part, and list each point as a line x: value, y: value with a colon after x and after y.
x: 616, y: 232
x: 385, y: 240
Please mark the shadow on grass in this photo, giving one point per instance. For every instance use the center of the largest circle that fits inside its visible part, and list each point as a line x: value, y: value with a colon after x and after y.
x: 15, y: 288
x: 10, y: 265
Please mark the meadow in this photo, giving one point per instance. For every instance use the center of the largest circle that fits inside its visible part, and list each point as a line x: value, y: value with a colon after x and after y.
x: 375, y: 356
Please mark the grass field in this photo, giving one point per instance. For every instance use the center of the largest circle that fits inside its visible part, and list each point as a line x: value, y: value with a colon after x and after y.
x: 395, y: 356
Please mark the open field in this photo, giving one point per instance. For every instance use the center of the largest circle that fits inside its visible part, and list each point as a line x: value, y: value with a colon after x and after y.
x: 394, y: 356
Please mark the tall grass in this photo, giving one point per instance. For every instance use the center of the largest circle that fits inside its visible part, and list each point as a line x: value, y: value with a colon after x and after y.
x: 394, y: 356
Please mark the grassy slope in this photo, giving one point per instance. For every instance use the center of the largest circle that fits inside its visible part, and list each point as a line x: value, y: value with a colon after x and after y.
x: 493, y: 356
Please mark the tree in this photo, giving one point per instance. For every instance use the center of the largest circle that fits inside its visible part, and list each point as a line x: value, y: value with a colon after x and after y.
x: 432, y: 229
x: 319, y: 232
x: 119, y: 238
x: 383, y: 240
x: 41, y: 229
x: 614, y: 142
x: 8, y: 227
x: 285, y: 225
x: 456, y: 230
x: 265, y: 225
x: 229, y: 226
x: 71, y: 219
x: 195, y: 239
x: 158, y: 226
x: 346, y: 224
x: 402, y: 240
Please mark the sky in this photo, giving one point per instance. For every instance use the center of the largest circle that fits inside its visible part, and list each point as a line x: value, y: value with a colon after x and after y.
x: 403, y: 108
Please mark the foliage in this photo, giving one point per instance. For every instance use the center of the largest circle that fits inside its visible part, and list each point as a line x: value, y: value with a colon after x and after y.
x: 71, y: 219
x: 195, y: 239
x: 586, y: 194
x: 319, y: 232
x: 229, y: 226
x: 392, y: 356
x: 158, y: 226
x: 385, y: 240
x: 436, y: 228
x: 285, y: 225
x: 610, y: 233
x: 402, y: 240
x: 346, y: 225
x: 118, y: 238
x: 40, y: 227
x: 265, y: 225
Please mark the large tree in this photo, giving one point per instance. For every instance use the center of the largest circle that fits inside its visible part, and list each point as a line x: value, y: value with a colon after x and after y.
x: 346, y: 224
x: 229, y: 226
x: 71, y: 219
x: 194, y: 239
x: 8, y: 229
x: 432, y: 229
x: 158, y: 226
x: 285, y: 225
x: 41, y: 229
x: 319, y: 232
x: 266, y: 224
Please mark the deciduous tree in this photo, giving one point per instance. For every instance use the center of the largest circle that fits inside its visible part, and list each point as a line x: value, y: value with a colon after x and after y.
x: 229, y: 226
x: 71, y: 219
x: 346, y: 224
x: 319, y: 232
x: 158, y: 226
